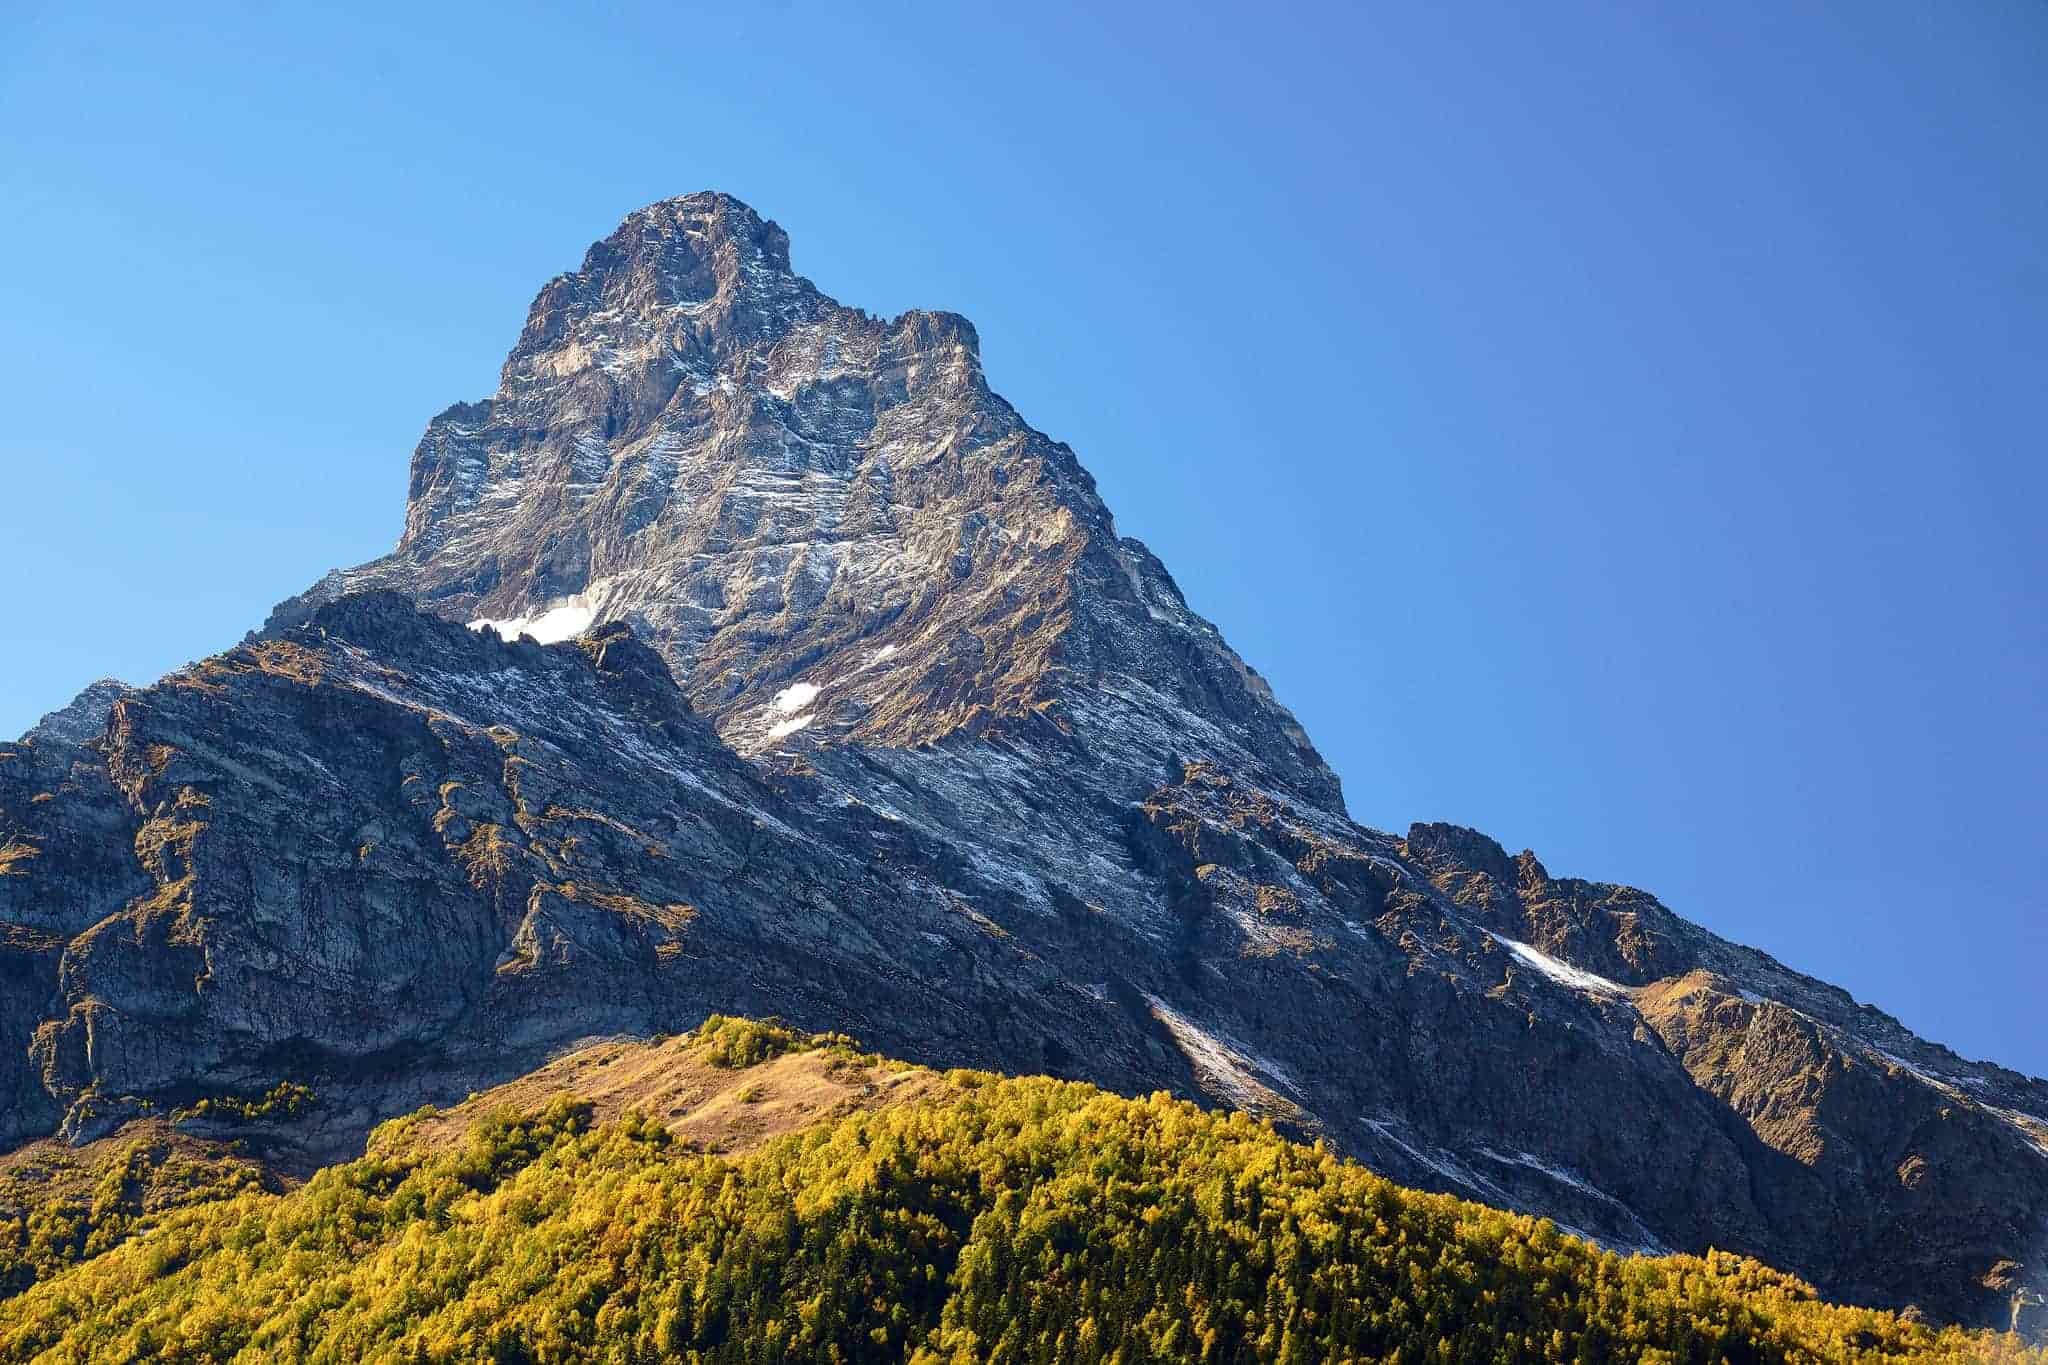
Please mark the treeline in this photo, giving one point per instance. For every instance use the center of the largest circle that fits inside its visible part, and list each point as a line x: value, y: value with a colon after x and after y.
x: 1005, y: 1220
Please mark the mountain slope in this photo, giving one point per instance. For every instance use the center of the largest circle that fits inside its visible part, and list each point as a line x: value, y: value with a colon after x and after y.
x: 872, y: 721
x: 842, y: 1207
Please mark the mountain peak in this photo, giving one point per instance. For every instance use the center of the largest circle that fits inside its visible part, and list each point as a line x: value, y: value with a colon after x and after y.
x: 710, y: 214
x: 789, y: 497
x: 703, y: 267
x: 81, y: 719
x: 688, y: 231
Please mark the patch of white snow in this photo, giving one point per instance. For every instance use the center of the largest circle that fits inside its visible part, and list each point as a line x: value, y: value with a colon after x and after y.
x: 562, y: 621
x: 795, y: 697
x: 1228, y: 1069
x: 1561, y: 972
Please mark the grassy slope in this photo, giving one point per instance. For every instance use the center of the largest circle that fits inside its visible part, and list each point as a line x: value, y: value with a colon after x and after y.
x: 744, y: 1194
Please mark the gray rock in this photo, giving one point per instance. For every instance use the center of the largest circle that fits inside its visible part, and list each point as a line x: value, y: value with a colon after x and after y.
x: 81, y: 719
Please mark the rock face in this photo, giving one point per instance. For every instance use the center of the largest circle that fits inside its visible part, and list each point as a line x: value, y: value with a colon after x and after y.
x: 84, y: 716
x: 846, y: 702
x: 827, y: 523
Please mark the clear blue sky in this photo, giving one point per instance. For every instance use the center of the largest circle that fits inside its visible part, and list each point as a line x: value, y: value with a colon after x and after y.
x: 1616, y: 427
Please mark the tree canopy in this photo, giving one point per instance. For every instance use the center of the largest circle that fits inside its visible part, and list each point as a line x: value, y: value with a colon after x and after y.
x: 991, y: 1219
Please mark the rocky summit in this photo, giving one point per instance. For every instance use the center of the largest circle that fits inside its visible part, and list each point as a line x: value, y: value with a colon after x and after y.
x: 745, y: 653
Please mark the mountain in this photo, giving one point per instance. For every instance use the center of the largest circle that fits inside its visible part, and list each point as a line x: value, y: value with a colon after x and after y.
x: 744, y: 1193
x: 746, y: 654
x: 827, y: 523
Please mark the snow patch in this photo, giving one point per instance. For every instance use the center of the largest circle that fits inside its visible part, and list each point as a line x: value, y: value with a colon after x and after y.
x: 1542, y: 1167
x: 1443, y: 1163
x: 2029, y: 1126
x: 1647, y: 1244
x: 1917, y: 1073
x: 795, y: 697
x: 1452, y: 1169
x: 562, y: 620
x: 1217, y: 1063
x: 1561, y: 972
x: 1139, y: 590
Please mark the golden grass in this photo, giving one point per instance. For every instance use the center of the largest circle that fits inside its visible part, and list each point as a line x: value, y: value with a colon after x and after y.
x: 15, y: 855
x: 718, y: 1108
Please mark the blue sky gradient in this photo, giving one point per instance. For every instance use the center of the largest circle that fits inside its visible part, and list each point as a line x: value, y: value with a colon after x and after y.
x: 1615, y: 427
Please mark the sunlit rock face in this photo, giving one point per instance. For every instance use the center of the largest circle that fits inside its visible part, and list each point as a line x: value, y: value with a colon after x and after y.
x: 782, y: 493
x: 746, y: 653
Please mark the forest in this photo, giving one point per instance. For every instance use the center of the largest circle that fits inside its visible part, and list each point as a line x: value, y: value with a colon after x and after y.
x: 986, y: 1219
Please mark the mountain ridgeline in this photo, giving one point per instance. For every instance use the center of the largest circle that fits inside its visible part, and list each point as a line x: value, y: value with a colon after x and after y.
x: 746, y: 654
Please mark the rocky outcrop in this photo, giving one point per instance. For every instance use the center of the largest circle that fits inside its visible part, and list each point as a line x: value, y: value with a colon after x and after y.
x: 841, y: 699
x: 81, y: 719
